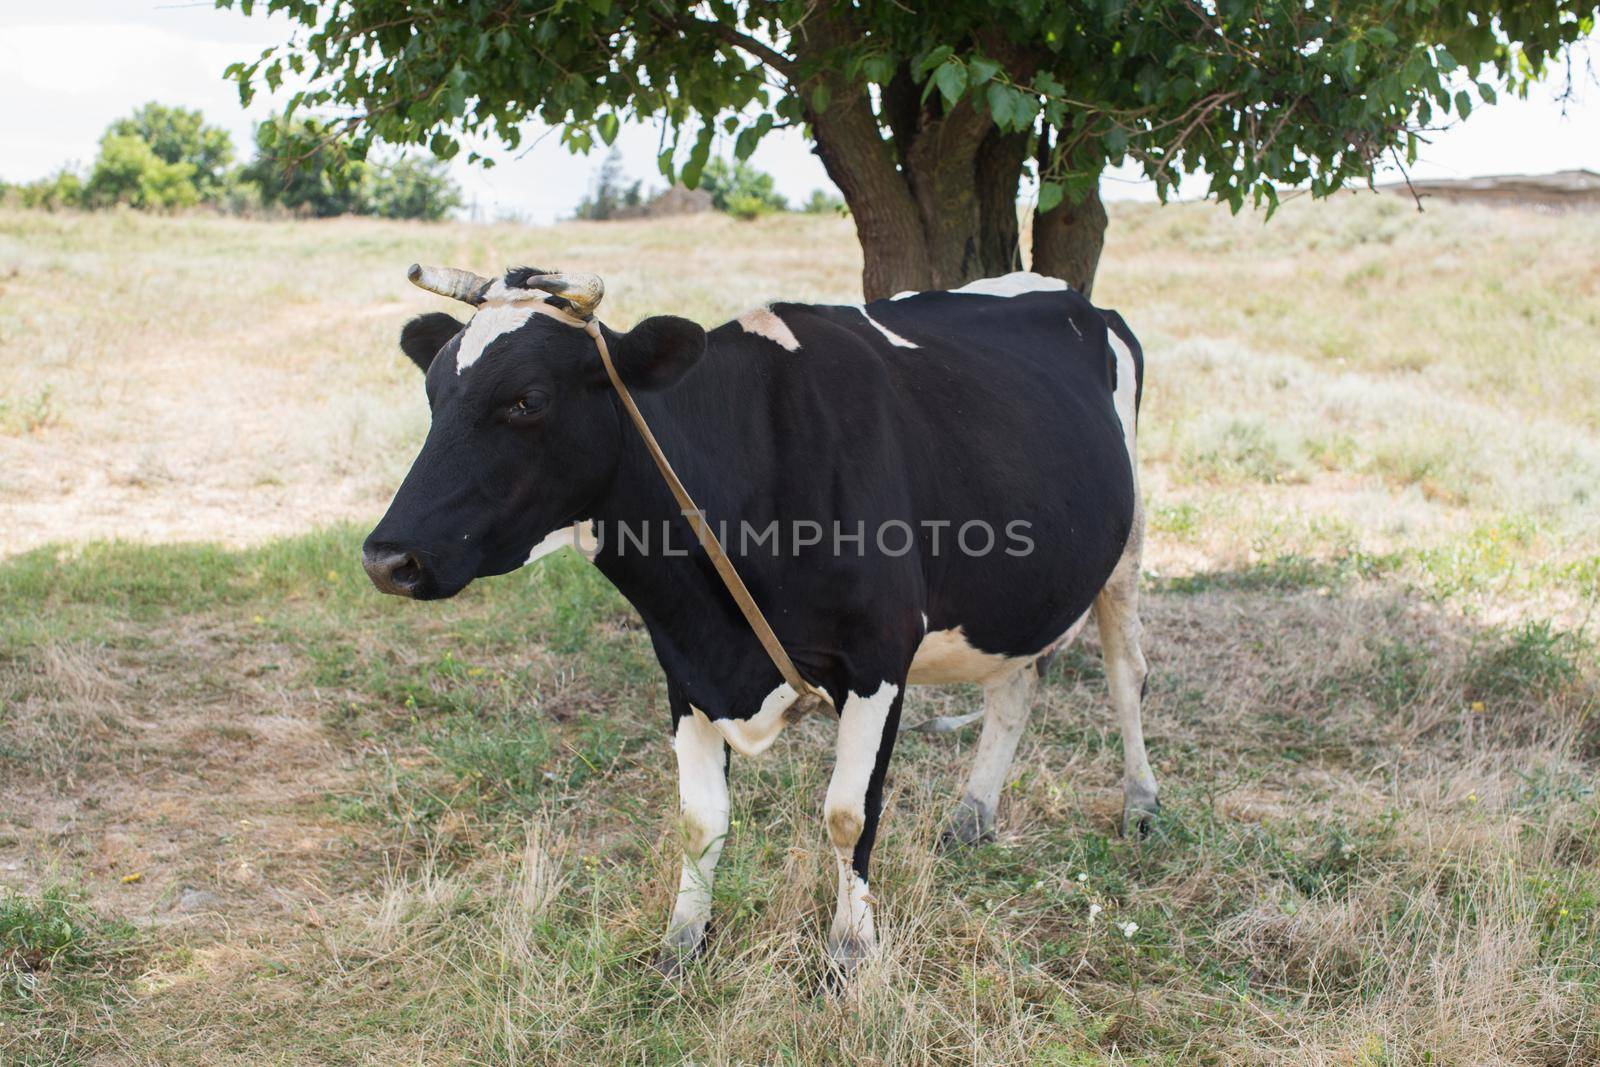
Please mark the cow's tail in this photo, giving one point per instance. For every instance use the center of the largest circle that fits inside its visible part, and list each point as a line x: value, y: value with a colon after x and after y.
x: 1126, y: 360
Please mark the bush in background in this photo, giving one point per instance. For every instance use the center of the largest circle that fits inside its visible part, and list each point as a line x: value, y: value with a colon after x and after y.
x: 128, y: 172
x: 166, y: 158
x: 824, y: 203
x: 741, y: 190
x: 180, y: 136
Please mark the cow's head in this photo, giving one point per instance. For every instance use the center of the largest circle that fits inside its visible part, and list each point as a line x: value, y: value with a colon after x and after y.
x: 526, y: 432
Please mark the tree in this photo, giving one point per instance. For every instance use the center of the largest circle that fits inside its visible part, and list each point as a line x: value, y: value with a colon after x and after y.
x: 407, y: 187
x: 178, y: 135
x: 611, y: 192
x: 63, y: 189
x: 740, y: 189
x: 927, y: 116
x: 297, y: 167
x: 129, y: 172
x: 822, y: 202
x: 294, y: 169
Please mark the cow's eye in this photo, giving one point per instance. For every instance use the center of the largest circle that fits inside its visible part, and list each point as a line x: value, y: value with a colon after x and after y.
x: 528, y: 407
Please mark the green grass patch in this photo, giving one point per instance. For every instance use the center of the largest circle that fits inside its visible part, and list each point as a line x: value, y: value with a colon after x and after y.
x: 60, y: 964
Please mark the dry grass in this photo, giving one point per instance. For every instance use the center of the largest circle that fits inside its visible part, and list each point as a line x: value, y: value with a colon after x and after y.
x: 346, y: 830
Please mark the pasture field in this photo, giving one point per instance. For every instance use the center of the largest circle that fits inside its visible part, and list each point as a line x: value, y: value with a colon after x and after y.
x: 252, y: 812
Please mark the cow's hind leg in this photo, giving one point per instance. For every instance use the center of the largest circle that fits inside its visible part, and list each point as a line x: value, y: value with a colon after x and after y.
x: 703, y: 805
x: 1116, y: 613
x: 867, y: 727
x: 1007, y: 702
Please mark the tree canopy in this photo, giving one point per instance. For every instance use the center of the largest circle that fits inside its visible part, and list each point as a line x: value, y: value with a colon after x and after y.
x: 176, y: 136
x: 927, y: 116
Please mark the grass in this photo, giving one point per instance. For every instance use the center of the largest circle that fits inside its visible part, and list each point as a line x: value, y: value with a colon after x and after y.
x: 303, y: 823
x: 61, y: 968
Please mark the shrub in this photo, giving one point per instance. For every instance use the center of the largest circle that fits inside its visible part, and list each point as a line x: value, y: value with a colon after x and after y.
x: 740, y: 185
x: 129, y: 172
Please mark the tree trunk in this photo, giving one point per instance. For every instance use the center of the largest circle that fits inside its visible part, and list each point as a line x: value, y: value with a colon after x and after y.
x: 935, y: 203
x: 1000, y: 160
x: 1067, y: 241
x: 949, y: 216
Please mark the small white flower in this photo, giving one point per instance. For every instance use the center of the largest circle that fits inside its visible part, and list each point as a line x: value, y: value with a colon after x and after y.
x: 1094, y: 911
x: 1083, y: 876
x: 1130, y: 928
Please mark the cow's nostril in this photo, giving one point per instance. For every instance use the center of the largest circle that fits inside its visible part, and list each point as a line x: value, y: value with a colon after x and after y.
x: 407, y: 573
x: 392, y: 572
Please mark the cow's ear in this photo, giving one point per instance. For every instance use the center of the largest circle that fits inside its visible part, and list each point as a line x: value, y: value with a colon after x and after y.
x: 423, y: 336
x: 656, y: 352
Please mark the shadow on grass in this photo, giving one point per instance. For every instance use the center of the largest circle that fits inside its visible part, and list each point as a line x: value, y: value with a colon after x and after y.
x: 1348, y: 766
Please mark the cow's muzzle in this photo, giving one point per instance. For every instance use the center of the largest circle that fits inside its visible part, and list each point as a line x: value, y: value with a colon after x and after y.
x: 392, y: 570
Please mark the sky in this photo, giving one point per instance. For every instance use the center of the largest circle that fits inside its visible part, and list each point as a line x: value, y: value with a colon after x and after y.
x: 67, y: 69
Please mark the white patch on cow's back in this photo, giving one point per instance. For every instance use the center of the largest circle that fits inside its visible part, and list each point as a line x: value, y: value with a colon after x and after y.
x: 1125, y: 395
x: 491, y: 322
x: 894, y: 338
x: 764, y: 322
x: 1014, y: 284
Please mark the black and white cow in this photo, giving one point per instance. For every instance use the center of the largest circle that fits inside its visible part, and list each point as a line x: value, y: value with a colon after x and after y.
x: 934, y: 488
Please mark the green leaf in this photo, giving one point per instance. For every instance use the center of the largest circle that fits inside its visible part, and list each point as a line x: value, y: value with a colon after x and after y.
x: 951, y: 78
x: 1487, y: 93
x: 1002, y: 104
x: 751, y: 136
x: 820, y: 97
x: 1050, y: 194
x: 698, y: 156
x: 931, y: 59
x: 607, y: 126
x: 1463, y: 104
x: 878, y: 69
x: 981, y: 70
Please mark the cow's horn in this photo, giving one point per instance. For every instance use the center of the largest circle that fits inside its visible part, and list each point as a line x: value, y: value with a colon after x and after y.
x: 583, y: 291
x: 457, y: 284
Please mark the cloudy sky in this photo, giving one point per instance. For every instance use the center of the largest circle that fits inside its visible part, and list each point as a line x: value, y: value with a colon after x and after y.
x: 67, y: 69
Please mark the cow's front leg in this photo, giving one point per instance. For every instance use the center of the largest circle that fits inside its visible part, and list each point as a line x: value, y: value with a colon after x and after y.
x: 703, y: 826
x: 867, y: 727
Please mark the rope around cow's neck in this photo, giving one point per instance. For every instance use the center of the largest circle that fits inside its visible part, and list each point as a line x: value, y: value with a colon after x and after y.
x: 810, y: 697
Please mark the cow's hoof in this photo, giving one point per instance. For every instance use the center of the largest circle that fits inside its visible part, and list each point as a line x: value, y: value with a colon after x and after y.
x: 682, y: 948
x: 972, y: 823
x: 1139, y: 817
x: 846, y: 954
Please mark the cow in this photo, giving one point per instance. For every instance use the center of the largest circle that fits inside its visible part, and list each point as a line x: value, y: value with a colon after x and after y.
x: 935, y: 488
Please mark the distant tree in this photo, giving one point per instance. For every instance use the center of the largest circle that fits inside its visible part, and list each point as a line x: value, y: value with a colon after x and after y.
x: 740, y: 189
x: 611, y: 192
x: 179, y: 135
x: 296, y: 167
x: 823, y: 203
x: 409, y: 187
x: 129, y: 172
x: 927, y: 116
x: 300, y: 166
x: 63, y: 189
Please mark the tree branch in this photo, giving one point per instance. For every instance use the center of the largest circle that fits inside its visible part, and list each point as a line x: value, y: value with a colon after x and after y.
x: 743, y: 41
